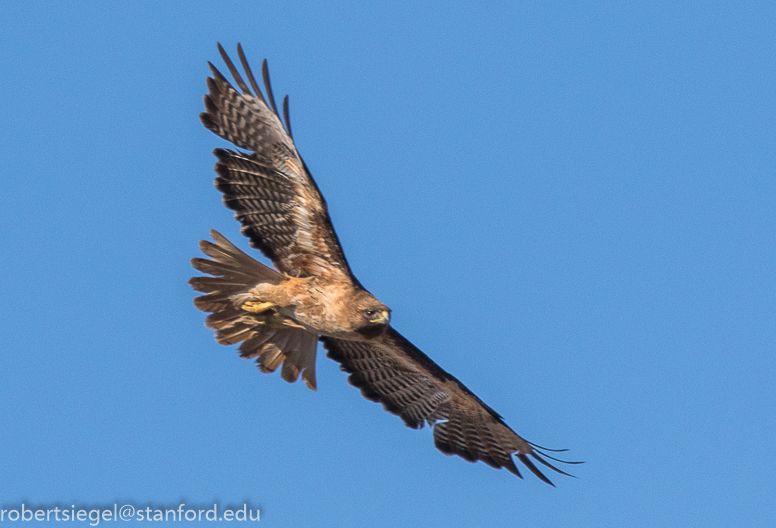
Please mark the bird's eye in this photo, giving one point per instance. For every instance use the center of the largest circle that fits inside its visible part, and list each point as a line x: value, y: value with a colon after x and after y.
x: 370, y: 313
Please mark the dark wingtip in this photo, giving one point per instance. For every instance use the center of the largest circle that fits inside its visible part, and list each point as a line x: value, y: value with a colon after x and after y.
x: 208, y: 122
x: 235, y: 73
x: 513, y: 469
x: 268, y: 86
x: 216, y: 74
x: 539, y: 449
x: 538, y: 456
x: 530, y: 465
x: 537, y: 446
x: 249, y: 73
x: 287, y: 117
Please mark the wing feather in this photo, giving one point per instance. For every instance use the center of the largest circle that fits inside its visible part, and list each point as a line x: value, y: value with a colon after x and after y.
x: 391, y: 370
x: 269, y: 186
x: 248, y: 72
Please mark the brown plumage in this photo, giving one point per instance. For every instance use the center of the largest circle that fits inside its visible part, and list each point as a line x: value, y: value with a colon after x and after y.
x: 278, y: 316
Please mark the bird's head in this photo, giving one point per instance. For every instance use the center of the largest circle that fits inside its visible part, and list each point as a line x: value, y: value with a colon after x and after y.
x: 370, y: 316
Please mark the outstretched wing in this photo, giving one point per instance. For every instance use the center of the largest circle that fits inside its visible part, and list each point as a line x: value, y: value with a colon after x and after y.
x: 270, y: 189
x: 391, y: 370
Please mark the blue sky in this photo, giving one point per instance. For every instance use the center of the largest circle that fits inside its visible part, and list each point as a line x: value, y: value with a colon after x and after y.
x: 568, y: 206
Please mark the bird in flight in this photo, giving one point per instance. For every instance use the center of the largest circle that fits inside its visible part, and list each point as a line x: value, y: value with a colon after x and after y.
x: 278, y: 315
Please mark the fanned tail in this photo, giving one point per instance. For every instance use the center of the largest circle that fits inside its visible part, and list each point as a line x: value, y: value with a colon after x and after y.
x: 270, y: 338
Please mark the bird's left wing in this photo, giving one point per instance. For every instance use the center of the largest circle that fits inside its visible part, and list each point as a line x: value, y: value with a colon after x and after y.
x: 391, y: 370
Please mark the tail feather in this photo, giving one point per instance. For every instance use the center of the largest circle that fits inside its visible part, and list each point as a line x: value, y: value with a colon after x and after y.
x: 296, y: 360
x: 234, y: 262
x: 270, y: 338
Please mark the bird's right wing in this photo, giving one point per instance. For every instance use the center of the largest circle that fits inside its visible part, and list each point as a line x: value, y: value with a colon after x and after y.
x: 270, y: 189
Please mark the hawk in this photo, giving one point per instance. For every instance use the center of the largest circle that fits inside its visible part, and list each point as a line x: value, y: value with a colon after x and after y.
x: 278, y: 315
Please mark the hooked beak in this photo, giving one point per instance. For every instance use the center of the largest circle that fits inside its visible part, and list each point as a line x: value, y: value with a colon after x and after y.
x: 383, y: 318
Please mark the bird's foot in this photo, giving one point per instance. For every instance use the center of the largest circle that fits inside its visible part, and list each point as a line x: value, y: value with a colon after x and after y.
x: 256, y: 306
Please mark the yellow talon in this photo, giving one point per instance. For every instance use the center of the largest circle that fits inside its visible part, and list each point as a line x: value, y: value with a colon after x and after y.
x: 257, y: 307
